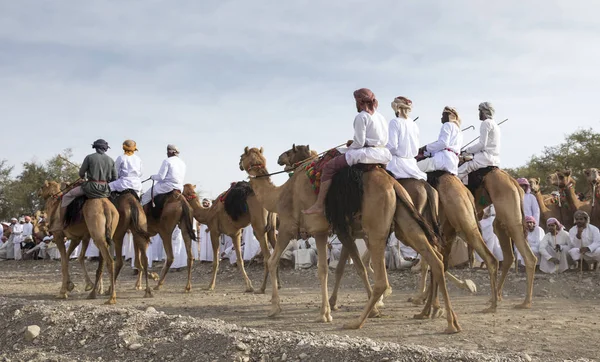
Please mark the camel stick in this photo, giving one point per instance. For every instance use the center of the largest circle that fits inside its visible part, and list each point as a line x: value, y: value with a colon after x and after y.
x: 470, y: 127
x: 68, y: 161
x: 465, y: 146
x: 414, y: 120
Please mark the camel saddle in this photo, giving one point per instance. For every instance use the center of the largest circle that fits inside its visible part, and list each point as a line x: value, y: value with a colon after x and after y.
x: 74, y: 212
x: 114, y: 195
x: 235, y: 199
x: 159, y: 203
x: 433, y: 178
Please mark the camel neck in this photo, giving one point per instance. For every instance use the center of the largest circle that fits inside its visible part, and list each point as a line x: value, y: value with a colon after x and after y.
x: 266, y: 192
x: 201, y: 214
x: 569, y: 191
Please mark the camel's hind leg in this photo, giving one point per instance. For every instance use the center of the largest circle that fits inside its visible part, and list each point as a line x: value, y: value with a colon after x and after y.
x: 67, y: 285
x: 339, y: 273
x: 321, y: 241
x: 97, y: 287
x: 166, y: 237
x: 81, y: 259
x: 475, y: 240
x: 214, y: 240
x: 507, y: 253
x: 187, y: 241
x: 529, y: 259
x: 421, y: 296
x: 240, y: 261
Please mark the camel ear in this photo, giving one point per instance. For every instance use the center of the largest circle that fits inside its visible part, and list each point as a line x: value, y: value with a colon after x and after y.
x: 261, y: 150
x: 294, y: 147
x: 246, y: 150
x: 539, y: 180
x: 308, y: 148
x: 586, y: 172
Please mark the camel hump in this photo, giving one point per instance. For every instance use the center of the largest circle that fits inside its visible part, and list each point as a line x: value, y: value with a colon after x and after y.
x: 235, y: 199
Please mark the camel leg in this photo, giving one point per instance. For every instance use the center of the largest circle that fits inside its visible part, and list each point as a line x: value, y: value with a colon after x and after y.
x: 72, y: 248
x: 422, y: 292
x: 339, y: 273
x: 507, y: 253
x: 119, y: 259
x: 366, y: 260
x: 81, y: 259
x: 240, y: 261
x: 64, y: 263
x: 103, y: 246
x: 97, y: 287
x: 138, y: 265
x: 475, y: 240
x: 141, y: 254
x: 285, y: 235
x: 187, y: 241
x: 321, y: 241
x: 260, y: 223
x: 214, y: 239
x: 529, y: 259
x: 168, y: 245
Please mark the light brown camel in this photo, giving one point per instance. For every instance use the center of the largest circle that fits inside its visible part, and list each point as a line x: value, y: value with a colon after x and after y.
x: 100, y: 219
x: 499, y: 188
x: 593, y: 178
x: 247, y: 210
x: 384, y: 200
x: 547, y: 210
x: 566, y: 186
x: 176, y: 211
x: 457, y: 214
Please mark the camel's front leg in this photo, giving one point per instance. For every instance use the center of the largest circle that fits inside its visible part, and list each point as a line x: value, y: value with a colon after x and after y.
x: 321, y: 240
x: 240, y: 261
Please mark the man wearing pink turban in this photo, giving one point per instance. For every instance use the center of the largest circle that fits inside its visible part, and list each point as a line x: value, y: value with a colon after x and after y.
x: 554, y: 248
x: 535, y: 234
x: 530, y: 204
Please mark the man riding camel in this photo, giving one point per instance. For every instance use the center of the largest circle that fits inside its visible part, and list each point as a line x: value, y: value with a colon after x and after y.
x: 169, y: 177
x: 99, y: 169
x: 403, y: 142
x: 487, y: 151
x: 129, y: 170
x: 443, y: 153
x: 367, y: 147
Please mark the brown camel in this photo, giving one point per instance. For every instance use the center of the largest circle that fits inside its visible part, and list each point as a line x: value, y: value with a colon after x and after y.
x: 100, y: 219
x: 593, y: 178
x: 247, y: 211
x: 457, y: 216
x: 566, y: 186
x: 547, y: 210
x: 499, y: 188
x: 384, y: 200
x: 176, y: 211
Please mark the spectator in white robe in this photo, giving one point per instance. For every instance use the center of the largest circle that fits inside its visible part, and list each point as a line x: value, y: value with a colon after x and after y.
x: 403, y: 142
x: 554, y: 248
x: 289, y: 252
x: 535, y: 234
x: 158, y: 249
x: 9, y: 248
x: 195, y: 243
x: 393, y: 257
x: 443, y: 153
x: 27, y: 228
x: 334, y: 246
x: 486, y: 152
x: 206, y: 249
x: 179, y: 250
x: 129, y: 170
x: 306, y: 255
x: 489, y: 237
x: 226, y: 248
x: 52, y: 250
x: 408, y: 253
x: 128, y: 250
x: 41, y: 247
x: 530, y: 204
x: 2, y: 226
x: 16, y: 235
x: 170, y: 176
x: 585, y: 238
x: 251, y: 244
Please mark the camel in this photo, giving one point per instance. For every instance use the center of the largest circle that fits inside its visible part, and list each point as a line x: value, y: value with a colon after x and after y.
x: 383, y: 200
x: 566, y: 185
x: 176, y: 211
x: 459, y: 218
x: 547, y: 210
x: 593, y: 177
x: 100, y: 219
x: 500, y: 189
x: 247, y: 211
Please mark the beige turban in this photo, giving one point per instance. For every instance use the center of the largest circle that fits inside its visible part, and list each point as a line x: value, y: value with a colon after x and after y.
x: 581, y: 213
x: 173, y: 148
x: 452, y: 114
x: 401, y: 103
x: 487, y: 109
x: 129, y: 146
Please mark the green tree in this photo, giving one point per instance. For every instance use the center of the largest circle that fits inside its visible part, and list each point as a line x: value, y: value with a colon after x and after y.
x: 5, y: 181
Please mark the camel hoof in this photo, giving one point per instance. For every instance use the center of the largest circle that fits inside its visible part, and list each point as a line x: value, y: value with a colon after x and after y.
x: 157, y: 287
x: 154, y: 276
x: 249, y: 290
x: 111, y: 301
x: 326, y: 318
x: 211, y: 288
x: 437, y: 313
x: 275, y: 311
x: 61, y: 296
x: 421, y: 316
x: 334, y: 307
x: 188, y: 289
x: 523, y: 305
x: 452, y: 330
x: 379, y: 303
x: 470, y: 285
x: 70, y: 286
x: 89, y: 286
x: 353, y: 325
x: 374, y: 313
x: 148, y: 293
x: 138, y: 287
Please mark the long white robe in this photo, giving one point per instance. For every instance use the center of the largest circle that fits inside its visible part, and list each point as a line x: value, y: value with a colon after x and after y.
x: 129, y: 173
x: 251, y: 244
x: 486, y: 152
x: 407, y: 252
x: 450, y: 138
x: 92, y: 250
x: 206, y: 249
x: 27, y: 230
x: 289, y: 251
x: 128, y: 250
x: 547, y: 252
x: 179, y: 251
x: 533, y: 239
x: 158, y: 249
x: 170, y: 177
x: 370, y: 138
x: 403, y: 143
x: 490, y: 238
x: 393, y: 258
x: 335, y: 251
x: 305, y: 257
x: 590, y: 237
x: 531, y: 207
x: 16, y: 239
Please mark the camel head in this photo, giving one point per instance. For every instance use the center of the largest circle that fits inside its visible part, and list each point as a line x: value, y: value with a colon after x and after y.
x: 252, y: 161
x: 49, y: 188
x: 563, y: 179
x: 534, y: 185
x: 592, y: 175
x: 189, y: 190
x: 294, y: 155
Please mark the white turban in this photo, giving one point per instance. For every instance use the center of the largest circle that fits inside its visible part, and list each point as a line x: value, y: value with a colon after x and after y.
x: 487, y: 109
x: 173, y: 148
x: 401, y: 103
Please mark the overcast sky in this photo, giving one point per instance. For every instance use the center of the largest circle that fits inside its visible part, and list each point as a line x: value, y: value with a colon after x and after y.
x: 215, y: 76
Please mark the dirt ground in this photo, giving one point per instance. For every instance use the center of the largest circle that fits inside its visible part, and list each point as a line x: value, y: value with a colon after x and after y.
x: 562, y: 325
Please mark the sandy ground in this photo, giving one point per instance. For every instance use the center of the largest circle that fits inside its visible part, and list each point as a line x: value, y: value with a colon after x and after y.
x: 562, y: 325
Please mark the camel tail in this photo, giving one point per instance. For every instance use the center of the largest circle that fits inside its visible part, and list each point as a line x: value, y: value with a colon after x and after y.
x: 432, y: 237
x: 186, y: 219
x: 520, y: 192
x: 108, y: 227
x: 270, y: 228
x: 134, y: 207
x: 433, y: 207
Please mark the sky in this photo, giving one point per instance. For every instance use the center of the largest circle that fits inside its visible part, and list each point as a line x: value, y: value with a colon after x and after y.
x: 214, y: 76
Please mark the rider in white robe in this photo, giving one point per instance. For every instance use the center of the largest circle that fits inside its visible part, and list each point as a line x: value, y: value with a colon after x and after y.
x: 170, y: 176
x: 443, y: 153
x: 129, y: 170
x: 554, y: 248
x: 403, y: 142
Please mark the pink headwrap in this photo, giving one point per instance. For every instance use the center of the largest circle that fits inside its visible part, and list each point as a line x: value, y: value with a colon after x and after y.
x: 530, y: 219
x: 554, y: 221
x: 523, y: 181
x: 365, y: 100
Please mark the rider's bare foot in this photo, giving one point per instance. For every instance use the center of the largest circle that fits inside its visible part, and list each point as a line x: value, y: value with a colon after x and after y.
x: 315, y: 209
